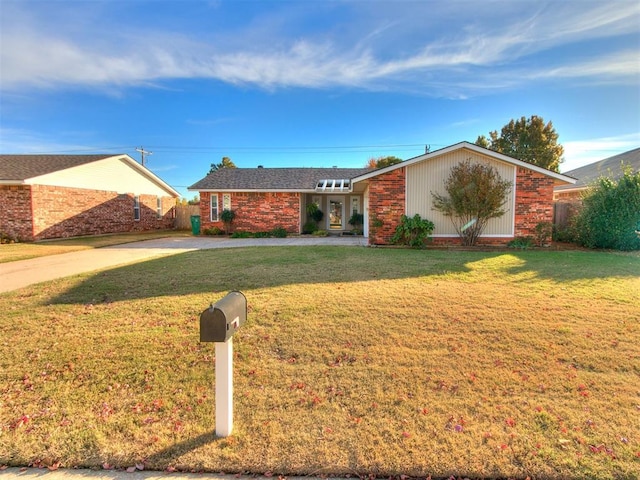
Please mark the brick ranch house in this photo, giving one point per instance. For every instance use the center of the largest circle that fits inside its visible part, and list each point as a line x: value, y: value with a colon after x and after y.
x: 56, y: 196
x: 264, y: 198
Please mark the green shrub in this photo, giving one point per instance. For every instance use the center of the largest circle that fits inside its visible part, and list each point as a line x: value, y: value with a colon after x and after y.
x: 523, y: 243
x: 610, y: 216
x: 213, y: 231
x: 562, y: 234
x: 227, y: 216
x: 412, y: 231
x: 261, y: 234
x: 544, y: 232
x: 314, y: 212
x: 278, y: 232
x: 320, y: 233
x: 310, y: 227
x: 6, y: 239
x: 241, y: 234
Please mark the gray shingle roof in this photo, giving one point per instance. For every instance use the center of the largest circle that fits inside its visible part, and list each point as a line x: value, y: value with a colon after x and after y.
x: 272, y: 178
x: 22, y: 167
x: 609, y: 167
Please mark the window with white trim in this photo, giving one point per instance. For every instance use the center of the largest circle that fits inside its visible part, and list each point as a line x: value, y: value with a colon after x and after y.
x: 355, y: 205
x: 213, y: 202
x: 159, y: 208
x: 136, y: 208
x: 226, y: 201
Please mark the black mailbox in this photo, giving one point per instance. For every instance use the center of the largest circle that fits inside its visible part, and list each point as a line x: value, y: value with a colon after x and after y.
x: 220, y: 321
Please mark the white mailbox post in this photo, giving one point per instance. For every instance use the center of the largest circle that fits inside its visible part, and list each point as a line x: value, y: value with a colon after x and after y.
x: 224, y: 388
x: 218, y: 323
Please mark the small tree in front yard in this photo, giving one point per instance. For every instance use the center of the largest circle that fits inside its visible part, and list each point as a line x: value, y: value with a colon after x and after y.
x: 476, y: 194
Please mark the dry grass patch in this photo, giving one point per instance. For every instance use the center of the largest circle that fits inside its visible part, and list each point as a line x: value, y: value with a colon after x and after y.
x: 353, y: 361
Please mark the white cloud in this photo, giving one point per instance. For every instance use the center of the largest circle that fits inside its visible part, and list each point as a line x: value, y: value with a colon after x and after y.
x: 393, y: 54
x: 582, y: 152
x: 618, y: 66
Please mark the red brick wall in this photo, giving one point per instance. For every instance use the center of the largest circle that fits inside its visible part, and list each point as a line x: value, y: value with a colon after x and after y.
x: 15, y: 212
x: 534, y: 201
x: 57, y: 212
x: 534, y: 204
x: 386, y: 205
x: 256, y: 211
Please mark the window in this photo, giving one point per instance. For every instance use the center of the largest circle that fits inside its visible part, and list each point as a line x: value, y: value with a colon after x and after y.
x: 214, y: 207
x: 226, y: 201
x: 159, y: 208
x: 355, y: 205
x: 136, y: 208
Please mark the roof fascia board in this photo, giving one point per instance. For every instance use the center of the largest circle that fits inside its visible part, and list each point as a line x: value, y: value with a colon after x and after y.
x: 476, y: 149
x: 13, y: 182
x: 570, y: 188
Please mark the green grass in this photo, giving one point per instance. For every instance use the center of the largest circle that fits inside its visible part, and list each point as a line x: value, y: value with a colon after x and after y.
x: 23, y: 251
x: 353, y: 361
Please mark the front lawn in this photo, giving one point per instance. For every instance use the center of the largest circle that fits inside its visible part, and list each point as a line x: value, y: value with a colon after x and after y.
x: 353, y: 361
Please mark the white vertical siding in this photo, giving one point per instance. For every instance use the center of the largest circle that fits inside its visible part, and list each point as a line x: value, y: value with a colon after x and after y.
x: 428, y: 176
x: 111, y: 174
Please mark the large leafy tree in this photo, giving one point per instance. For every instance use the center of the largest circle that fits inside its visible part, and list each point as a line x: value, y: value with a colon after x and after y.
x: 476, y: 193
x: 381, y: 162
x: 527, y: 139
x: 225, y: 163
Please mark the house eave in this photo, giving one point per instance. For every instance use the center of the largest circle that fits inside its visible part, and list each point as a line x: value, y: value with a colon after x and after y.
x: 13, y: 182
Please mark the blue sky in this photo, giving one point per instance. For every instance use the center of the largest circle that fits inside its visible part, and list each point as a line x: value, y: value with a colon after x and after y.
x: 312, y: 83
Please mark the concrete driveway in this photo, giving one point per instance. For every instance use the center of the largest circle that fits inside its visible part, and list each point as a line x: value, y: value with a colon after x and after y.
x: 15, y: 275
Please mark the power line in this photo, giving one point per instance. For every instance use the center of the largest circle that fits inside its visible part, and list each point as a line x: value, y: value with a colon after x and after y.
x: 143, y: 152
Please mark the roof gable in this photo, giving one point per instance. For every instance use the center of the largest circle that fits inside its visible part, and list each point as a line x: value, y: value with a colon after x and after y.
x: 473, y: 148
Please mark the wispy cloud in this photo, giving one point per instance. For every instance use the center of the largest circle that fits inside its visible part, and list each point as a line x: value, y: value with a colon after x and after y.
x: 437, y: 64
x: 582, y: 152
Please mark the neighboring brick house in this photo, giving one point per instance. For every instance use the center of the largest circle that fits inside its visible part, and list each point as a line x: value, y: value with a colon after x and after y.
x: 57, y: 196
x: 264, y: 198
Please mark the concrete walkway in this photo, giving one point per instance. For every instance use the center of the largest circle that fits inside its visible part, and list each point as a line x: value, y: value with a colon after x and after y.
x: 15, y: 275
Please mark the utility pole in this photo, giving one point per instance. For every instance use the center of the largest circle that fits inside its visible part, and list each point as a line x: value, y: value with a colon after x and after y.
x: 143, y: 152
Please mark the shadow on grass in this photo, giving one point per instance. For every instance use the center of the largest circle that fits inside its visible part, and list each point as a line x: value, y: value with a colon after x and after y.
x: 221, y: 270
x: 170, y: 455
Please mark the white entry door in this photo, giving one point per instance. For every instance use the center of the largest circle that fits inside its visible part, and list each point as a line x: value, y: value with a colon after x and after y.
x: 335, y: 218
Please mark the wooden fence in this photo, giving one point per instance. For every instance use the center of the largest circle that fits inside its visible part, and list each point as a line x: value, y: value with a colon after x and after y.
x: 183, y: 216
x: 563, y: 212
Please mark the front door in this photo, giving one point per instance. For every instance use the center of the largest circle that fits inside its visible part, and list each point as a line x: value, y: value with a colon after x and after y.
x: 336, y: 213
